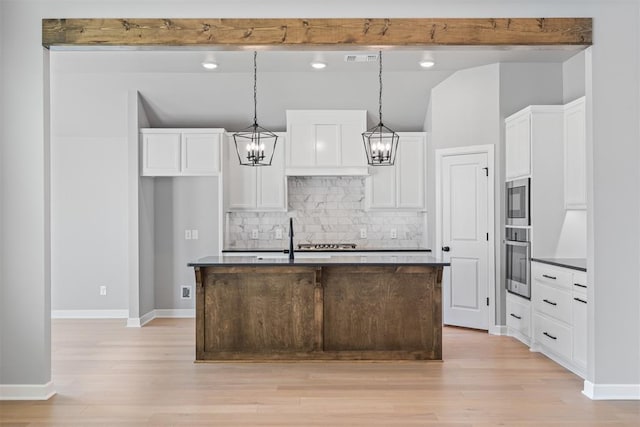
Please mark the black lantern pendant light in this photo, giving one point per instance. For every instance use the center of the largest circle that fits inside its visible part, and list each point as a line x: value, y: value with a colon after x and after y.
x: 255, y: 145
x: 380, y: 142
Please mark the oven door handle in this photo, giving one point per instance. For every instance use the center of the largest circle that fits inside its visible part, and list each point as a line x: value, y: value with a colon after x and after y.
x: 516, y: 243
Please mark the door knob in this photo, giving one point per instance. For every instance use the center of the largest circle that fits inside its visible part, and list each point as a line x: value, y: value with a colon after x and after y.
x: 446, y: 248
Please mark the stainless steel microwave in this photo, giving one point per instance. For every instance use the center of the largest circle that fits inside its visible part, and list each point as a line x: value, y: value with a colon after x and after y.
x: 518, y: 202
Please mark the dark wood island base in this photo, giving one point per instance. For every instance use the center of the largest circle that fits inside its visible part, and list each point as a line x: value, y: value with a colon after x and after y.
x: 317, y: 311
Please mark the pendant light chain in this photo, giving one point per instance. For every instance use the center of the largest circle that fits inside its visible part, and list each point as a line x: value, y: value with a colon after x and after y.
x: 380, y: 80
x: 255, y: 87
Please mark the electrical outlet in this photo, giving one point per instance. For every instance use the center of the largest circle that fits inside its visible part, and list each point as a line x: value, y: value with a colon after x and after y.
x: 363, y: 233
x: 185, y: 292
x: 278, y: 233
x: 194, y: 234
x: 254, y: 233
x: 187, y: 234
x: 394, y: 233
x: 103, y: 290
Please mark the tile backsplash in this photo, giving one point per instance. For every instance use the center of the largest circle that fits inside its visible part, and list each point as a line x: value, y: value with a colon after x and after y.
x: 326, y: 210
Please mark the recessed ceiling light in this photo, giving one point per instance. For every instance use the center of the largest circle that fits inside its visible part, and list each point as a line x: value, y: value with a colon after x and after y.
x: 427, y: 63
x: 209, y: 65
x: 318, y: 65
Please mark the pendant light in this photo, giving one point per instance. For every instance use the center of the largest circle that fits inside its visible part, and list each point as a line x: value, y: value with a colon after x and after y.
x: 380, y: 142
x: 255, y: 145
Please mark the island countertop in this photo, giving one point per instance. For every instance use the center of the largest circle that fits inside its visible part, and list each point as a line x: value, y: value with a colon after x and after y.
x: 321, y: 260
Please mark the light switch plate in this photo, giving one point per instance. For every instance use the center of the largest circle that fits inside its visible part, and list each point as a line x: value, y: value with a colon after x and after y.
x: 194, y: 234
x: 187, y: 234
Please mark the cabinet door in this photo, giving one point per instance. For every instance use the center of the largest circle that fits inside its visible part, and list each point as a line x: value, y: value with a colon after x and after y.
x: 381, y: 187
x: 575, y: 161
x: 518, y: 147
x: 239, y: 182
x: 272, y: 182
x: 580, y: 331
x: 161, y: 154
x: 410, y: 172
x: 200, y: 154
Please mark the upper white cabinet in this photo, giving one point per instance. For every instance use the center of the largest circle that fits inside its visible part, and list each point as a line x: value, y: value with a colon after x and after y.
x: 181, y: 152
x: 260, y: 188
x: 518, y: 146
x: 401, y: 186
x: 575, y: 161
x: 326, y: 142
x: 527, y: 131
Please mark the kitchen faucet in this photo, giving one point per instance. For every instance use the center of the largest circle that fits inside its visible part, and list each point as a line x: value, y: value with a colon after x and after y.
x: 291, y: 255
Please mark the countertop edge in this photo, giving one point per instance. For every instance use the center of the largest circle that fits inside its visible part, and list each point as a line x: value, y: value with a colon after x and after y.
x: 325, y: 250
x: 560, y: 263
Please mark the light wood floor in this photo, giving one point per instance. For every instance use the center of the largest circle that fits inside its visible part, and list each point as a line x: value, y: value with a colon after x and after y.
x: 109, y: 375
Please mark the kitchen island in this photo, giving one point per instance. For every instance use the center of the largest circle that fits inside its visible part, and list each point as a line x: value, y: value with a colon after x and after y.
x: 325, y: 308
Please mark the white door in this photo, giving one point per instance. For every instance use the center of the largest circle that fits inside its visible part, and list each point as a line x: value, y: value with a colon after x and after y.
x: 464, y: 235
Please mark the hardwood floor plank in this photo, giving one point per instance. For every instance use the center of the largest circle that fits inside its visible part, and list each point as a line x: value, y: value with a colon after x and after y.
x: 109, y: 375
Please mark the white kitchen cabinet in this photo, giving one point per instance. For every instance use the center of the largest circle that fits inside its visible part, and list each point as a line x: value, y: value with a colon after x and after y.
x: 559, y: 303
x: 259, y: 188
x: 528, y: 130
x: 518, y: 146
x: 575, y: 160
x: 401, y: 186
x: 519, y: 318
x: 180, y: 152
x: 326, y: 142
x: 579, y: 319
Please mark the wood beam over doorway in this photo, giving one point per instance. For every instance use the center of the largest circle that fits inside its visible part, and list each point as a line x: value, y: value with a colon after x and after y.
x: 298, y: 32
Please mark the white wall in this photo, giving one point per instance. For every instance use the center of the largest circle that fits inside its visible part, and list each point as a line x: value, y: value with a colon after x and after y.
x: 613, y: 155
x: 225, y: 100
x: 573, y: 77
x: 89, y: 222
x: 180, y: 204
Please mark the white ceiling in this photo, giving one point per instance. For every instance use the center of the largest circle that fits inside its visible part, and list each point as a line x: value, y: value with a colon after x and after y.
x: 189, y: 61
x: 178, y: 92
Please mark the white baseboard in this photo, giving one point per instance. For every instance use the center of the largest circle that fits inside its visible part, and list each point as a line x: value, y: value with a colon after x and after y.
x: 176, y: 312
x: 89, y: 314
x: 27, y: 391
x: 611, y: 391
x: 498, y: 330
x: 137, y: 322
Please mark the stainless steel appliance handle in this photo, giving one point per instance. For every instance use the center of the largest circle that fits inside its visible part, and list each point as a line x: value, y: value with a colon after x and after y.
x: 516, y: 243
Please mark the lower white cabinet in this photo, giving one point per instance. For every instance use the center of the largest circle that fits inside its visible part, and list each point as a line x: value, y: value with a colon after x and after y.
x: 559, y: 303
x: 259, y: 188
x: 519, y: 318
x: 401, y: 186
x: 579, y: 302
x: 180, y: 152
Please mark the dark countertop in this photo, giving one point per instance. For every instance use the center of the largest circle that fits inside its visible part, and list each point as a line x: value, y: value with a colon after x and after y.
x: 422, y: 260
x: 572, y: 263
x: 328, y: 250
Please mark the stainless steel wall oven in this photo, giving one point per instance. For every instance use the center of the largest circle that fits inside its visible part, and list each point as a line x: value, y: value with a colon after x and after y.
x: 518, y: 249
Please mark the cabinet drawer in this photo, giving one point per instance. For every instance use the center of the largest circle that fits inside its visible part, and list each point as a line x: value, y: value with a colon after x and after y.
x: 579, y: 282
x: 551, y: 275
x: 519, y: 316
x: 553, y: 336
x: 552, y: 302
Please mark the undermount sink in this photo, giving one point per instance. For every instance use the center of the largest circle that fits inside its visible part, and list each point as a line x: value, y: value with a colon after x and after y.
x: 297, y: 255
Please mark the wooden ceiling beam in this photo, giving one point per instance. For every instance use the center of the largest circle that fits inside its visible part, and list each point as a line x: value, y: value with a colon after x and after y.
x: 408, y: 32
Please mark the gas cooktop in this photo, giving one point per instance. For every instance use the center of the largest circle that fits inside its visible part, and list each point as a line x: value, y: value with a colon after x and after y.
x: 325, y: 246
